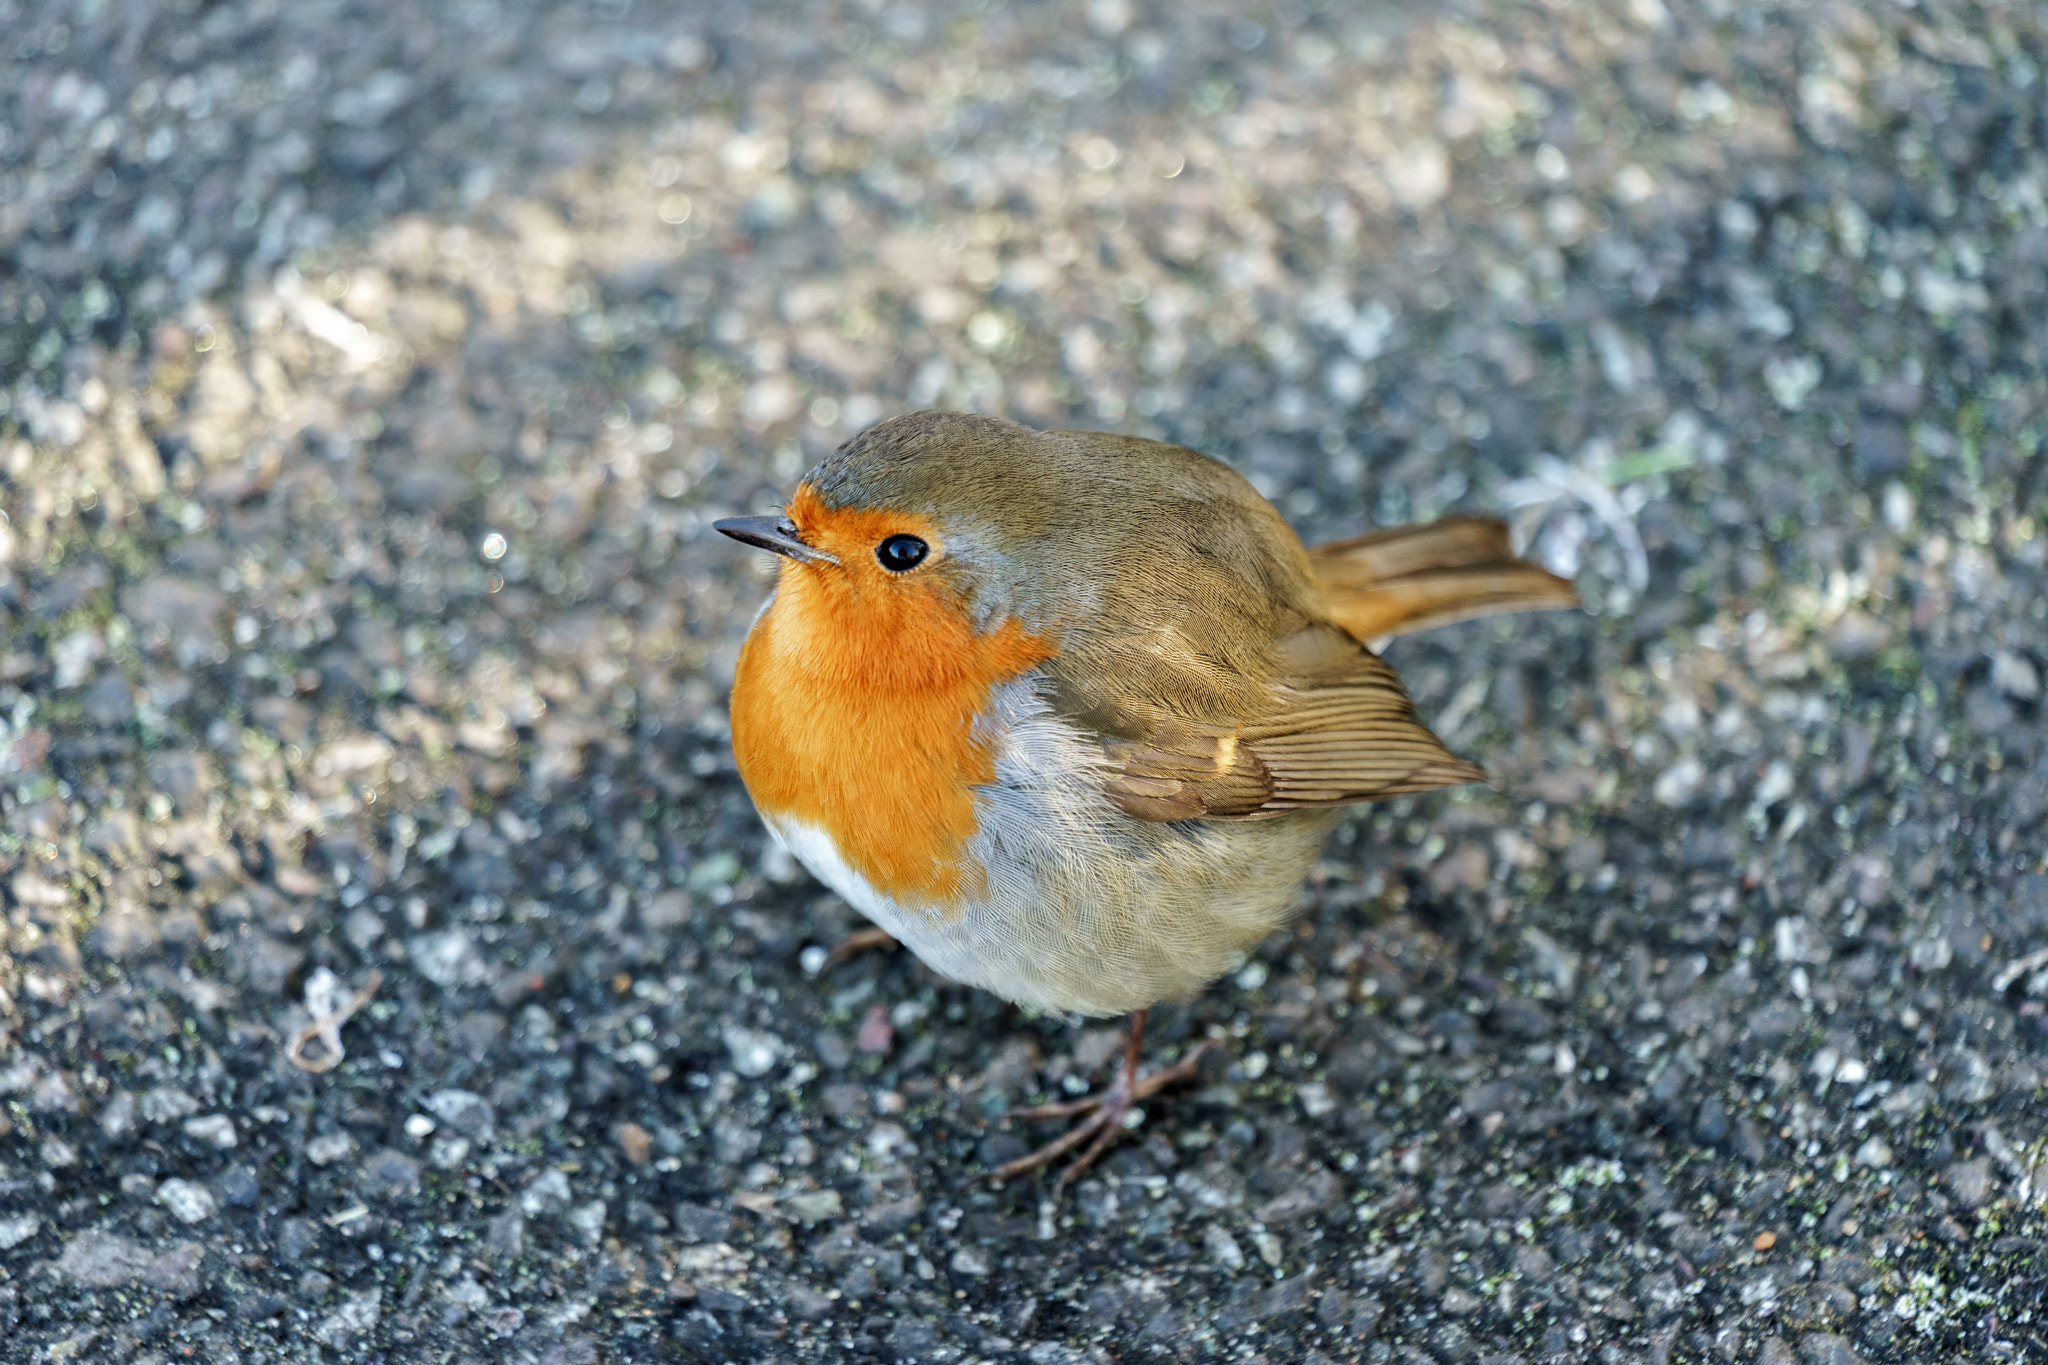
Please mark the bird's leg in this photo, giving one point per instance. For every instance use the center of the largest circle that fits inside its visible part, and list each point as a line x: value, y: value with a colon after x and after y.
x: 861, y: 941
x: 1110, y: 1107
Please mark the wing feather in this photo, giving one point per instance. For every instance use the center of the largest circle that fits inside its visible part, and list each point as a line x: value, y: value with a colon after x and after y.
x: 1339, y: 728
x: 1410, y: 578
x: 1217, y: 666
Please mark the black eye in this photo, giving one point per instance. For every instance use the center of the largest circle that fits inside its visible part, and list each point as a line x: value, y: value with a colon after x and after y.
x: 898, y: 553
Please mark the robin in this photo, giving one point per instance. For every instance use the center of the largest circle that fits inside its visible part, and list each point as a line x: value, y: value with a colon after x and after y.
x: 1070, y: 713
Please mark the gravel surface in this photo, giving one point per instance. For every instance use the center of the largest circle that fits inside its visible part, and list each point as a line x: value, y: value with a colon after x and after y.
x: 369, y: 375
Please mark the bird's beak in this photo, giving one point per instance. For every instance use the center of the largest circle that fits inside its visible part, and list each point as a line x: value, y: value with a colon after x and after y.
x: 773, y: 533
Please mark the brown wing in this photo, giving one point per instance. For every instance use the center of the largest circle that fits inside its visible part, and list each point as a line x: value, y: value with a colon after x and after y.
x: 1411, y: 578
x: 1334, y: 725
x: 1339, y: 728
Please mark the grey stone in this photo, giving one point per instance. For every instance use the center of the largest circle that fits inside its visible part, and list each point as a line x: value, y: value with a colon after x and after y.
x: 588, y: 1221
x: 297, y: 1238
x: 734, y: 1139
x: 128, y: 931
x: 166, y: 1105
x: 893, y: 1215
x: 185, y: 611
x: 1968, y: 1182
x: 1710, y: 1125
x: 184, y: 775
x: 355, y: 1318
x: 1775, y: 1020
x: 696, y: 1223
x: 754, y: 1052
x: 833, y: 1050
x: 1881, y: 450
x: 844, y: 1101
x: 215, y: 1130
x: 1520, y: 1017
x: 449, y: 958
x: 238, y: 1186
x: 103, y: 1260
x: 329, y: 1148
x: 1827, y: 1348
x: 119, y: 1118
x: 464, y: 1112
x: 505, y: 1234
x: 109, y: 702
x: 546, y: 1193
x: 187, y: 1200
x: 504, y: 1322
x: 388, y: 1175
x: 2015, y: 675
x: 180, y: 1271
x: 1815, y: 1305
x: 267, y: 963
x: 805, y: 1303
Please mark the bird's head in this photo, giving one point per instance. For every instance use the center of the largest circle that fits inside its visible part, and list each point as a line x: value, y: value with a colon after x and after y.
x: 915, y: 538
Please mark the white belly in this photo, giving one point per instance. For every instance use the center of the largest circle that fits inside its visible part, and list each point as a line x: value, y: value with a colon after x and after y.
x: 1085, y: 908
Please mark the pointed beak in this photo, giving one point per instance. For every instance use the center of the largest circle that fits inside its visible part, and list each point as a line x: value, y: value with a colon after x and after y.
x: 778, y: 534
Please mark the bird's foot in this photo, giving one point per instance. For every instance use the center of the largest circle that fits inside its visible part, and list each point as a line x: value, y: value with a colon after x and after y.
x: 1105, y: 1114
x: 861, y: 941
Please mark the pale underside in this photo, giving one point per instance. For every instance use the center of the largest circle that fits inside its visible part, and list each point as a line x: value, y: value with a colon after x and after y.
x: 1086, y: 909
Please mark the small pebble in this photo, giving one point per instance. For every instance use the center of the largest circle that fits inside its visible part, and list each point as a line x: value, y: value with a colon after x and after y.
x: 187, y: 1200
x: 754, y: 1052
x: 217, y: 1130
x: 635, y: 1142
x: 238, y: 1186
x: 17, y: 1228
x: 330, y: 1148
x: 546, y: 1193
x: 464, y: 1112
x: 1223, y: 1248
x: 877, y: 1035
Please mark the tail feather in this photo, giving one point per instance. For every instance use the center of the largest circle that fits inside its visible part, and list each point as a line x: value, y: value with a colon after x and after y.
x: 1411, y: 578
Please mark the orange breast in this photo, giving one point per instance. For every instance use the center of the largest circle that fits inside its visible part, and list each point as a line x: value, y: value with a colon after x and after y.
x: 853, y: 710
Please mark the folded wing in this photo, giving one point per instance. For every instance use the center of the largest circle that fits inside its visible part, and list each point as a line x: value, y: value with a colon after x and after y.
x: 1335, y: 725
x: 1340, y: 728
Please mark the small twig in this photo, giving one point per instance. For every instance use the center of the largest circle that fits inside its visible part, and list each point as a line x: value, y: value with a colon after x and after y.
x: 321, y: 989
x: 2018, y: 968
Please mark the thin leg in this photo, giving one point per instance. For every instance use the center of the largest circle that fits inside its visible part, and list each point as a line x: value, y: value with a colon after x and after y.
x: 1107, y: 1121
x: 861, y: 941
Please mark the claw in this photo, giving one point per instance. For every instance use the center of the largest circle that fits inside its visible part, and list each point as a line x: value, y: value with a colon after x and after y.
x: 861, y: 941
x: 1110, y: 1108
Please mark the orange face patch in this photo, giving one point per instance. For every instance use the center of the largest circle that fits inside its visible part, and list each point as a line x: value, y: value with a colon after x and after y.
x: 854, y: 704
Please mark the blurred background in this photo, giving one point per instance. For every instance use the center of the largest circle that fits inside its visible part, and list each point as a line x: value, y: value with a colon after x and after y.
x: 370, y: 375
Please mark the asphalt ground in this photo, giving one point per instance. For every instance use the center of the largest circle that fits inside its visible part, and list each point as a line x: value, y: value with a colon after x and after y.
x: 372, y: 375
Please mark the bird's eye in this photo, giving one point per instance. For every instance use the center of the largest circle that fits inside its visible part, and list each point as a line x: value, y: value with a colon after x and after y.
x: 899, y: 553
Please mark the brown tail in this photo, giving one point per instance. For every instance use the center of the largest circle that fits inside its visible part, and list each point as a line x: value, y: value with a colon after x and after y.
x: 1411, y: 578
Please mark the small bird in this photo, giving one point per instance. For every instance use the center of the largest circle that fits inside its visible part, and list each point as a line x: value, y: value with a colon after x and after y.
x: 1069, y: 714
